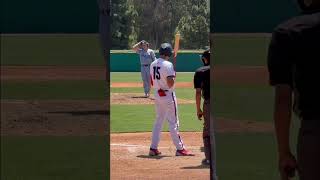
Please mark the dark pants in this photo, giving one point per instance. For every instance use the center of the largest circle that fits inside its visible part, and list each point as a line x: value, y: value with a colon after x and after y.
x: 206, y: 128
x: 209, y: 139
x: 105, y: 35
x: 308, y: 150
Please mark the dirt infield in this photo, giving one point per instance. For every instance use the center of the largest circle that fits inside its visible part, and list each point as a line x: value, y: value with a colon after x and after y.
x: 130, y: 160
x: 222, y: 74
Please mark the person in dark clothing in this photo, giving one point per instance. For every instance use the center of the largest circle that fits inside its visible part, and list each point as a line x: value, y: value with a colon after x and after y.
x: 293, y: 71
x: 202, y: 86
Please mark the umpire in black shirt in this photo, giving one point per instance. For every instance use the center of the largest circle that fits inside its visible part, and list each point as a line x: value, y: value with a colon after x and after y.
x: 293, y: 62
x: 202, y: 85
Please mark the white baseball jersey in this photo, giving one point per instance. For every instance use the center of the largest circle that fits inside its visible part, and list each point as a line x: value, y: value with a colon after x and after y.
x: 166, y: 106
x: 160, y: 69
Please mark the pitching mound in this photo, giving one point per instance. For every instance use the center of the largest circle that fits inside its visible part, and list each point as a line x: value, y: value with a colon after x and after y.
x: 130, y: 160
x: 138, y: 98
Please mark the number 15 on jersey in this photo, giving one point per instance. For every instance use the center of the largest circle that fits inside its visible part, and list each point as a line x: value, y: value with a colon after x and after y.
x: 156, y: 73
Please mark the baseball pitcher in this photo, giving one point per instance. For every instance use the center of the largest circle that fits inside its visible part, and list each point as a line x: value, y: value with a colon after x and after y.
x: 146, y: 57
x: 163, y: 77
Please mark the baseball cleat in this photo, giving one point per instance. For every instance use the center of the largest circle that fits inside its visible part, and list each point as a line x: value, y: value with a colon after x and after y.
x: 154, y: 152
x: 183, y: 152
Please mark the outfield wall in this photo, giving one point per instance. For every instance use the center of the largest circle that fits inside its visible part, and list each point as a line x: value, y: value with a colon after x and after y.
x: 129, y: 62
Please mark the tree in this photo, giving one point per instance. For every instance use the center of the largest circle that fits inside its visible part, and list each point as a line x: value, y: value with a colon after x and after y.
x: 157, y: 21
x: 194, y: 25
x: 132, y: 25
x: 123, y: 16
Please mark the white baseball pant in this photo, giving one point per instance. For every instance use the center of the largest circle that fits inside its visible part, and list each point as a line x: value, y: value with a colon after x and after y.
x: 166, y: 109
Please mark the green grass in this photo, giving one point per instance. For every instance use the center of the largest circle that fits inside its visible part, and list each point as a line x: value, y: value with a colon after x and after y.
x: 51, y: 50
x: 136, y: 77
x: 254, y: 103
x: 51, y: 158
x: 246, y: 102
x: 246, y: 156
x: 140, y: 118
x: 49, y: 90
x: 240, y: 50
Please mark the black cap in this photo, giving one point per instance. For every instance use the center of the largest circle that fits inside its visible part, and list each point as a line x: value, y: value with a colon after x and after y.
x: 206, y: 54
x: 166, y: 49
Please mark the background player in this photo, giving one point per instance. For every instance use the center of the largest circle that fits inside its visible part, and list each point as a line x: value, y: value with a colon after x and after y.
x: 294, y: 70
x: 163, y: 76
x: 146, y: 57
x: 202, y: 86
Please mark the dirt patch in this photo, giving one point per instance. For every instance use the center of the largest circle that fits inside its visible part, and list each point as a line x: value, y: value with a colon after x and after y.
x: 41, y: 73
x: 56, y: 118
x: 130, y: 160
x: 138, y: 98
